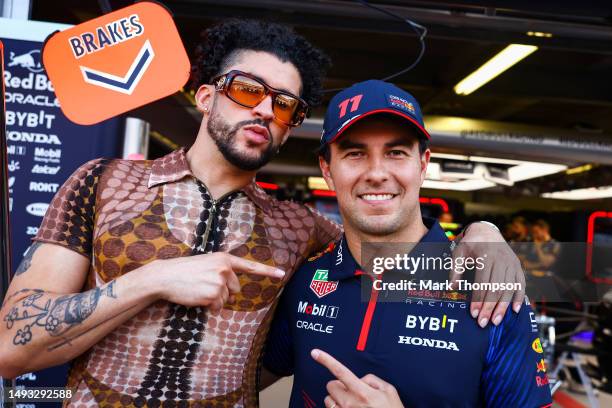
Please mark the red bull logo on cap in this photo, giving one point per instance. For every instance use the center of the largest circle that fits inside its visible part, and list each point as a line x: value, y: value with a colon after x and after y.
x: 401, y: 103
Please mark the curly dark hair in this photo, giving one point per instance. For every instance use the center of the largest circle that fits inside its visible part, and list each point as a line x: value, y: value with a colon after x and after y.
x: 222, y: 43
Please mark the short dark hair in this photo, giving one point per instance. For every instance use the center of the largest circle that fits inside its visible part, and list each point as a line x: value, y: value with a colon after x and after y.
x: 222, y: 43
x: 325, y: 151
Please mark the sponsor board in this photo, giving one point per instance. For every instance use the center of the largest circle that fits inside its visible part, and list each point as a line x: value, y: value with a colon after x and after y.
x: 32, y: 137
x: 37, y: 209
x: 41, y: 187
x: 47, y: 155
x: 13, y: 166
x: 29, y: 60
x: 31, y: 230
x: 44, y: 169
x: 29, y: 119
x: 16, y: 150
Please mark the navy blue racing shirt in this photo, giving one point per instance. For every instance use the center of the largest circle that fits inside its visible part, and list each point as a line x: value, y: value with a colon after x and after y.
x: 427, y: 346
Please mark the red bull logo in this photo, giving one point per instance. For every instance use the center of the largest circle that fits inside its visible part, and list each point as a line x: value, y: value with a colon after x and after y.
x: 541, y: 366
x: 320, y: 284
x: 401, y: 103
x: 541, y: 381
x: 537, y: 346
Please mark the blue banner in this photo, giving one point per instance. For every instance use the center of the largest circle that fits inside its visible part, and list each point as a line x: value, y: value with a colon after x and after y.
x: 44, y: 148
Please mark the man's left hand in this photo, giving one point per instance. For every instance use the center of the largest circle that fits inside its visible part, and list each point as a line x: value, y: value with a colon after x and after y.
x: 502, y: 265
x: 349, y: 391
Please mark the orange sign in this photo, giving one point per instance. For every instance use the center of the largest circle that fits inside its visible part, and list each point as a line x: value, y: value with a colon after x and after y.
x: 115, y: 63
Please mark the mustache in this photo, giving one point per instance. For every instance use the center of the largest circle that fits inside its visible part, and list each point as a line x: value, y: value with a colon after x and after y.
x: 260, y: 122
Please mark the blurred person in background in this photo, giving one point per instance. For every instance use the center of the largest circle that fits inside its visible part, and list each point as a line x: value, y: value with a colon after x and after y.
x: 545, y: 250
x: 519, y: 230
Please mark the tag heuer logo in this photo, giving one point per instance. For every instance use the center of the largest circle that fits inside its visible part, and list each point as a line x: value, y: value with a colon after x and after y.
x: 320, y: 285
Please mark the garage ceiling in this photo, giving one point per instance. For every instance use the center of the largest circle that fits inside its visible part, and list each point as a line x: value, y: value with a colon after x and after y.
x: 565, y: 84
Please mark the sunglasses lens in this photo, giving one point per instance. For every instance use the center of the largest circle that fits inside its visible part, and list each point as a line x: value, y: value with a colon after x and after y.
x: 286, y: 109
x: 246, y: 91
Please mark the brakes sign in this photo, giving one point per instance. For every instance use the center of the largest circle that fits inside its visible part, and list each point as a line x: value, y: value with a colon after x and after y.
x: 115, y: 63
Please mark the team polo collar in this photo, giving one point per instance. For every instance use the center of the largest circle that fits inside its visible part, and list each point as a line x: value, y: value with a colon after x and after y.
x: 344, y: 266
x: 435, y: 233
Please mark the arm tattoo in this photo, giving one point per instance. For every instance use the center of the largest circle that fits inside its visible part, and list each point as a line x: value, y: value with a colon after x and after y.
x: 56, y: 316
x: 67, y: 340
x: 26, y: 262
x: 20, y: 291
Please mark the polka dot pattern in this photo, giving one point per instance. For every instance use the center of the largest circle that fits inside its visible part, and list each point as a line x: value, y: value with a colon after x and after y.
x: 125, y: 214
x: 69, y: 218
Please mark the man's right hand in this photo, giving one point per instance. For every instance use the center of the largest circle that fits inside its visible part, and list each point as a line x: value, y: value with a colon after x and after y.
x: 206, y: 280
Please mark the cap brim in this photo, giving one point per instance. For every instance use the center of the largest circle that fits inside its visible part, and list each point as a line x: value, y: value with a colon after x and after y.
x: 420, y: 129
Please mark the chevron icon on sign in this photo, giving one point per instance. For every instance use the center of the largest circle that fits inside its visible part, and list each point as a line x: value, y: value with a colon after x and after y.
x: 124, y: 84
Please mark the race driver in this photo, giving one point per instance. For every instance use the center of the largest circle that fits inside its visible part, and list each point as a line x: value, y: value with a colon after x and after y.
x: 422, y: 351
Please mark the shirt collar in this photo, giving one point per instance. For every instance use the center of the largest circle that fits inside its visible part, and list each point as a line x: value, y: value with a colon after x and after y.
x: 174, y: 166
x: 343, y: 264
x: 170, y: 168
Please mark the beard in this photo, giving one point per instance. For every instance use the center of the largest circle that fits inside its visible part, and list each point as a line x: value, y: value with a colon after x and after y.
x: 224, y: 136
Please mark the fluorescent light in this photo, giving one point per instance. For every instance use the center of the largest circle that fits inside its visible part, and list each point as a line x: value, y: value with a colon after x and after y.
x: 463, y: 185
x: 581, y: 193
x: 539, y: 34
x: 579, y: 169
x: 492, y: 68
x: 433, y: 171
x: 529, y: 170
x: 317, y: 183
x: 479, y: 159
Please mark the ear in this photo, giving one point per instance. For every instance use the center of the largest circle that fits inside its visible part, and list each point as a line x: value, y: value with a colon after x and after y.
x: 424, y: 163
x: 204, y: 98
x: 325, y: 170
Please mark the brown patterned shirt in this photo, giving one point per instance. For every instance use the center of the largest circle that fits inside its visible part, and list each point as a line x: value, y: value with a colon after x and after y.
x: 123, y: 214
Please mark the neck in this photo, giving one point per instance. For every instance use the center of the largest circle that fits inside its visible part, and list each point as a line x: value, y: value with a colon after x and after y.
x: 413, y: 232
x: 210, y: 167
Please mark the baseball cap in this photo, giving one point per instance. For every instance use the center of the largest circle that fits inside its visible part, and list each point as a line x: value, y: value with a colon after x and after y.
x: 365, y: 99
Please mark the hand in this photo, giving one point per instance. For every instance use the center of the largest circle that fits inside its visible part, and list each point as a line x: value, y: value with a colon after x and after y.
x: 349, y: 391
x: 206, y: 280
x: 501, y: 265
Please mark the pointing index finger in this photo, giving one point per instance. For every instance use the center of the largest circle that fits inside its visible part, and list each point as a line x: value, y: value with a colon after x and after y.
x: 254, y: 268
x: 338, y: 370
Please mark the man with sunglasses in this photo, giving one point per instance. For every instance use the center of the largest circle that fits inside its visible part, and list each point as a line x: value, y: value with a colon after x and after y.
x: 160, y: 275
